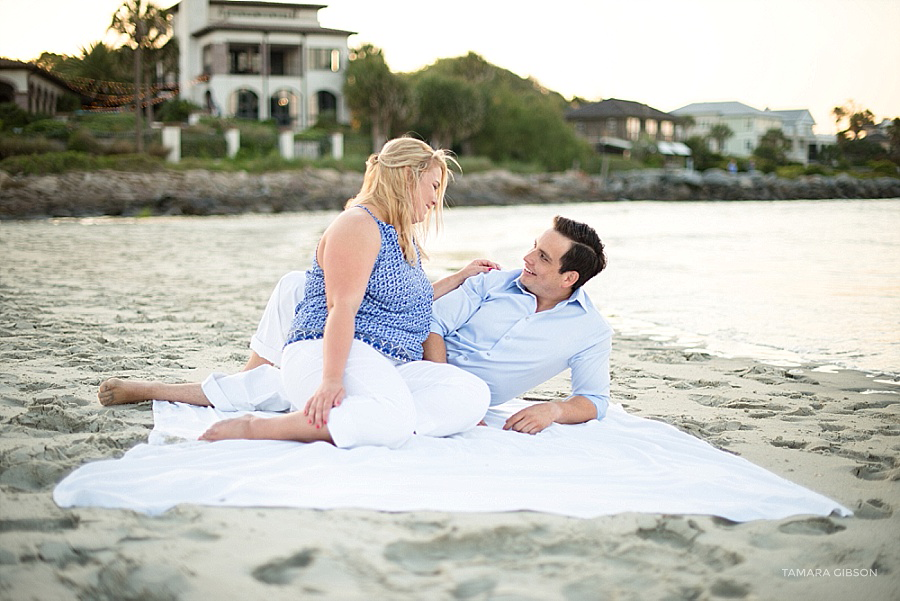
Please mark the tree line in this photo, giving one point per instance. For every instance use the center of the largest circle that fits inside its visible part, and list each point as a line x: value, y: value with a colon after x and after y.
x: 464, y: 103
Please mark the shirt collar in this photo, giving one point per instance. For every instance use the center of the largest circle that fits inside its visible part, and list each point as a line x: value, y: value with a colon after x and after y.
x: 579, y: 296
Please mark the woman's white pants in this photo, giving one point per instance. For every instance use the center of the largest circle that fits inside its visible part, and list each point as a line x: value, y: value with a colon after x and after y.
x: 385, y: 403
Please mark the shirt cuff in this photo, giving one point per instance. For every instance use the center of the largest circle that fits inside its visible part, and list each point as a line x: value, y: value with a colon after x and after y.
x: 601, y: 403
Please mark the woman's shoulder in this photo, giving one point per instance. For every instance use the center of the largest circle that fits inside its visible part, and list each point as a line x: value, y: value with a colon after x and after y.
x: 355, y: 221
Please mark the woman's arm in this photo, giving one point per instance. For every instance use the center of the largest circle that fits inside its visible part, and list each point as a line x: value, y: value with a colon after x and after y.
x: 346, y: 253
x: 452, y: 282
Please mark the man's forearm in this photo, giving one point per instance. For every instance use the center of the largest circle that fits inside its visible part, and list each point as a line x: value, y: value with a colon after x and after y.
x: 434, y: 348
x: 576, y: 410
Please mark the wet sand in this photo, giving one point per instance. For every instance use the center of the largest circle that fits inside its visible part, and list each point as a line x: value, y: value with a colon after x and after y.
x: 177, y: 298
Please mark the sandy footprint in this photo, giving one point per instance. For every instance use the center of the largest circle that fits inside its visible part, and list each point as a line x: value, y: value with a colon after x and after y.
x: 284, y: 571
x: 811, y: 526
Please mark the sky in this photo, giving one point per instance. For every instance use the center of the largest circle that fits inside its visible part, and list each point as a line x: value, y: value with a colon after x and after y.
x: 780, y: 54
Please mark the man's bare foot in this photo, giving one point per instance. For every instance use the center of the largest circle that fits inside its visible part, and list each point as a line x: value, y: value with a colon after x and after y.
x: 229, y: 429
x: 119, y: 392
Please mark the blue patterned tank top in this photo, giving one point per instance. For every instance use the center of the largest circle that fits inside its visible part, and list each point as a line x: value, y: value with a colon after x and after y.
x: 395, y: 314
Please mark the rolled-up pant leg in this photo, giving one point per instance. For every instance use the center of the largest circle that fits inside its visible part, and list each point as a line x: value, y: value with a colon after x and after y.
x: 275, y: 324
x: 258, y: 389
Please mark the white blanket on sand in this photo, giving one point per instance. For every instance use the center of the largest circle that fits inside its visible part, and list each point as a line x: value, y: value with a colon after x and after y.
x: 620, y: 464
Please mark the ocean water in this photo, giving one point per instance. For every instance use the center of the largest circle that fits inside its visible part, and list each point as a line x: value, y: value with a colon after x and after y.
x: 789, y: 283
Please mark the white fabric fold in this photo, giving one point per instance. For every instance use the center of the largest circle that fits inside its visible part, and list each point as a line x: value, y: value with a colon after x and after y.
x: 620, y: 464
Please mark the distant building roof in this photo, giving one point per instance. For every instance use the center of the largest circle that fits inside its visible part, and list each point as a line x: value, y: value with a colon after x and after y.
x: 613, y: 107
x: 794, y: 115
x: 270, y: 28
x: 11, y: 64
x: 721, y: 109
x: 255, y: 4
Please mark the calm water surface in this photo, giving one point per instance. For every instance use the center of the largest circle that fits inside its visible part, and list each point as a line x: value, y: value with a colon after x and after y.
x: 786, y: 282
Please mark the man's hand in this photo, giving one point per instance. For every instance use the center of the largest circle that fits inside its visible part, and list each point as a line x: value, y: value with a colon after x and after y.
x: 532, y: 420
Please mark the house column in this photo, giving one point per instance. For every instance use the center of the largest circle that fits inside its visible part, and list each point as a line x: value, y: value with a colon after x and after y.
x: 265, y: 111
x: 171, y: 139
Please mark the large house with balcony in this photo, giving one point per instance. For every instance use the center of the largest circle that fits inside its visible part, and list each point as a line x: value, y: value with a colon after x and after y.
x: 261, y: 60
x: 749, y: 125
x: 613, y: 126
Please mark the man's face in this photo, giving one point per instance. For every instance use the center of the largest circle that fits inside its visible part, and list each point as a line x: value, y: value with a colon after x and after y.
x: 541, y: 275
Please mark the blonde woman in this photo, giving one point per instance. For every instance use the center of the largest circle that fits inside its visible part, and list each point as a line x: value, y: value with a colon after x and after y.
x: 352, y: 372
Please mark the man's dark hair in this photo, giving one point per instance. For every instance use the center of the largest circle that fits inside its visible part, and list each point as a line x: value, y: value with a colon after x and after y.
x: 586, y: 255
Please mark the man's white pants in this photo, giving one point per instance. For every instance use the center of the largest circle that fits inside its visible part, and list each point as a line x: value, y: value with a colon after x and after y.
x: 386, y: 401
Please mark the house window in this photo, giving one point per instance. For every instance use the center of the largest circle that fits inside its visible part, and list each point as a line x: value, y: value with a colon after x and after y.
x: 277, y: 62
x: 323, y: 107
x: 207, y: 60
x: 245, y: 104
x: 325, y: 59
x: 668, y: 130
x: 283, y: 107
x: 243, y: 60
x: 633, y: 128
x: 611, y: 126
x: 650, y: 127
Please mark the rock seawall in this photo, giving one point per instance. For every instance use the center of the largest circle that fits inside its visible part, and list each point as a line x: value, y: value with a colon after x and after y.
x: 216, y: 193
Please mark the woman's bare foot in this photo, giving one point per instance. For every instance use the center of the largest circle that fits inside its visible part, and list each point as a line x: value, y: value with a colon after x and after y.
x: 229, y: 429
x: 120, y: 392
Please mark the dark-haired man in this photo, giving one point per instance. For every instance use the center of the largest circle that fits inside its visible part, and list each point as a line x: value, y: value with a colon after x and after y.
x: 513, y: 329
x: 517, y: 329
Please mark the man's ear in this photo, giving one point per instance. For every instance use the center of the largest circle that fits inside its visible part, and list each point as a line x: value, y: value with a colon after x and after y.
x: 569, y: 278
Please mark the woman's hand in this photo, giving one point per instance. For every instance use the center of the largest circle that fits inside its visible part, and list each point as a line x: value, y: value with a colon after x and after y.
x: 329, y: 394
x: 477, y: 266
x: 452, y: 282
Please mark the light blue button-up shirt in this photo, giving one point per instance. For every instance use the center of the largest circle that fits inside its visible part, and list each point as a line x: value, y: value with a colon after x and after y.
x: 492, y: 329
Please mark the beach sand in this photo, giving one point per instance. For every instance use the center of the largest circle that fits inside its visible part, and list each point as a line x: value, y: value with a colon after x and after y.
x: 175, y: 299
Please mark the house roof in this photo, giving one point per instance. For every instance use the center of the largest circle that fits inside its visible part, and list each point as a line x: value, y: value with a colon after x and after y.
x: 227, y: 26
x: 721, y: 109
x: 613, y: 107
x: 174, y: 8
x: 794, y: 115
x: 11, y: 64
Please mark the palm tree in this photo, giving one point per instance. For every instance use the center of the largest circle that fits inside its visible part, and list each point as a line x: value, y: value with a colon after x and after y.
x: 145, y: 26
x: 720, y: 132
x: 839, y: 113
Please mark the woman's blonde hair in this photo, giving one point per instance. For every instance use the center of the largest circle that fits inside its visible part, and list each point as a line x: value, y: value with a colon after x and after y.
x: 390, y: 185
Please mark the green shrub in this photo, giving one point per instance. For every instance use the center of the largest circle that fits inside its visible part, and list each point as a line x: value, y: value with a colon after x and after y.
x: 13, y: 117
x: 16, y: 145
x: 258, y: 141
x: 176, y: 110
x: 204, y: 141
x: 131, y: 162
x: 50, y: 162
x: 884, y: 167
x: 81, y: 140
x: 120, y: 146
x: 815, y: 169
x: 50, y: 128
x: 60, y: 162
x: 471, y: 164
x: 790, y: 171
x: 106, y: 122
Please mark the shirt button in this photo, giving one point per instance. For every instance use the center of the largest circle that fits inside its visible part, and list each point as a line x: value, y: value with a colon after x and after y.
x: 506, y: 338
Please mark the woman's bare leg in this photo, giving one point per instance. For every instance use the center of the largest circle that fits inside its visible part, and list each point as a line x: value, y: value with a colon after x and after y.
x: 120, y: 392
x: 293, y: 426
x: 255, y: 361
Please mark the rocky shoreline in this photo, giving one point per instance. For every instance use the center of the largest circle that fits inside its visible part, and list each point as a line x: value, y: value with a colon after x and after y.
x: 199, y: 192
